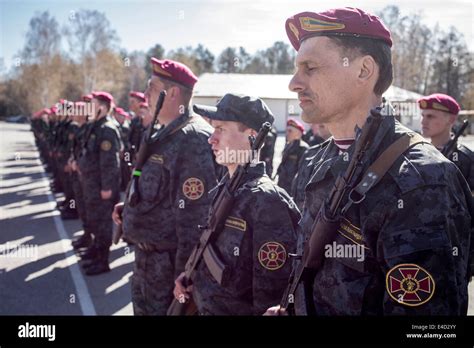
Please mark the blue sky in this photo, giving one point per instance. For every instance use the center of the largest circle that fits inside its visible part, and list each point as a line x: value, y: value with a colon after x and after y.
x: 253, y: 24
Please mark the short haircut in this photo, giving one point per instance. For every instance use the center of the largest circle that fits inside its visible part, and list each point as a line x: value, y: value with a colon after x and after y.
x: 107, y: 104
x: 186, y: 93
x: 380, y: 51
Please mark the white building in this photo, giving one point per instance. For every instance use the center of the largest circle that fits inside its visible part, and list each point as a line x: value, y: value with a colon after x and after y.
x: 273, y: 89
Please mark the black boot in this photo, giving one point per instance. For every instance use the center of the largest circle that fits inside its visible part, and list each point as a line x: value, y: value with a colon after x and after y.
x: 90, y: 253
x: 83, y: 241
x: 100, y: 264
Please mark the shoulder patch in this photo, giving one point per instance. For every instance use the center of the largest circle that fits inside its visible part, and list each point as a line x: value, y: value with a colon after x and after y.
x: 272, y: 256
x: 236, y: 223
x: 193, y: 188
x: 105, y: 145
x: 351, y: 232
x: 155, y: 158
x: 410, y: 284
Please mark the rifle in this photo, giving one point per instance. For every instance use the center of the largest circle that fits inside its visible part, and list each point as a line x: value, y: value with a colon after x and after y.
x: 450, y: 146
x: 132, y: 195
x: 327, y: 220
x: 218, y: 213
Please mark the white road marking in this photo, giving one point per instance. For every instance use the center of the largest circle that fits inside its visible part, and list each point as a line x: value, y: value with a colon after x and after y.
x: 85, y: 300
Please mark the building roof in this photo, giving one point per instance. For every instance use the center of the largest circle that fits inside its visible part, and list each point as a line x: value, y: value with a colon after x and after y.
x: 268, y: 86
x: 258, y: 85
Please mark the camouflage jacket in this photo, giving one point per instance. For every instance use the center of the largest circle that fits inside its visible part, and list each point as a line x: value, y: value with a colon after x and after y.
x: 404, y: 249
x: 254, y: 246
x: 173, y: 189
x: 463, y: 157
x: 100, y: 160
x: 305, y: 169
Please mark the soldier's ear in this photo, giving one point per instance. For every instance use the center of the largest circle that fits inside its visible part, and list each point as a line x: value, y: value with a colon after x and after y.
x: 452, y: 119
x: 173, y: 92
x: 368, y: 68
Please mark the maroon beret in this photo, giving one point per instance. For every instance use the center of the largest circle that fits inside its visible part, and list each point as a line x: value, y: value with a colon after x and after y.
x: 174, y: 71
x: 104, y: 96
x: 121, y: 112
x: 45, y: 111
x: 296, y: 124
x: 38, y: 113
x: 138, y: 95
x: 440, y: 102
x: 347, y: 21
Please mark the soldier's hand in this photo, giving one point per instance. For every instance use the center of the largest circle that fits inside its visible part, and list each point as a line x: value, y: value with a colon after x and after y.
x: 105, y: 194
x: 275, y: 311
x: 117, y: 213
x: 180, y: 292
x: 74, y: 166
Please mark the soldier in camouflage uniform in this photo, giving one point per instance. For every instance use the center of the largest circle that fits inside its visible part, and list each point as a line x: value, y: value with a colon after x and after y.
x: 99, y: 169
x: 80, y: 118
x: 173, y: 188
x: 136, y: 123
x: 121, y: 119
x: 40, y: 128
x: 439, y: 113
x: 62, y: 149
x: 294, y: 149
x: 303, y: 175
x: 304, y: 167
x: 412, y: 229
x: 255, y: 242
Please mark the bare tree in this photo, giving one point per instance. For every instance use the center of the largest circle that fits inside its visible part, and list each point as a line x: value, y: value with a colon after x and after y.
x: 37, y: 68
x: 90, y: 37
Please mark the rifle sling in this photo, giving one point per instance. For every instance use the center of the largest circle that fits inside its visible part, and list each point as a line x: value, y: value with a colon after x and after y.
x: 380, y: 167
x: 370, y: 178
x: 166, y: 135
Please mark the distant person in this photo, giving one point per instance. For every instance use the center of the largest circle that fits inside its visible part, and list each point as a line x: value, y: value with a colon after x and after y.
x: 438, y: 116
x: 294, y: 149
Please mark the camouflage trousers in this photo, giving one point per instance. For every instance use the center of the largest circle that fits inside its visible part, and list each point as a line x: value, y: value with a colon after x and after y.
x: 98, y: 212
x: 66, y: 183
x: 79, y: 198
x: 152, y: 282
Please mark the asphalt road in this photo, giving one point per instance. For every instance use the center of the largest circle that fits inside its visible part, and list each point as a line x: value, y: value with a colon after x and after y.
x: 39, y: 273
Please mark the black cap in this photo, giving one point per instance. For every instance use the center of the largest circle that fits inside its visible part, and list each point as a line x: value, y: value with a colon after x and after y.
x: 252, y: 112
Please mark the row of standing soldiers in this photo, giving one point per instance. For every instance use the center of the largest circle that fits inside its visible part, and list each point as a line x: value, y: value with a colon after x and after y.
x: 408, y: 215
x: 70, y: 140
x: 62, y: 134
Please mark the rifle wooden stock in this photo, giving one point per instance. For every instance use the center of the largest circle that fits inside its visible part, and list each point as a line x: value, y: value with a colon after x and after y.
x: 218, y: 214
x: 327, y: 220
